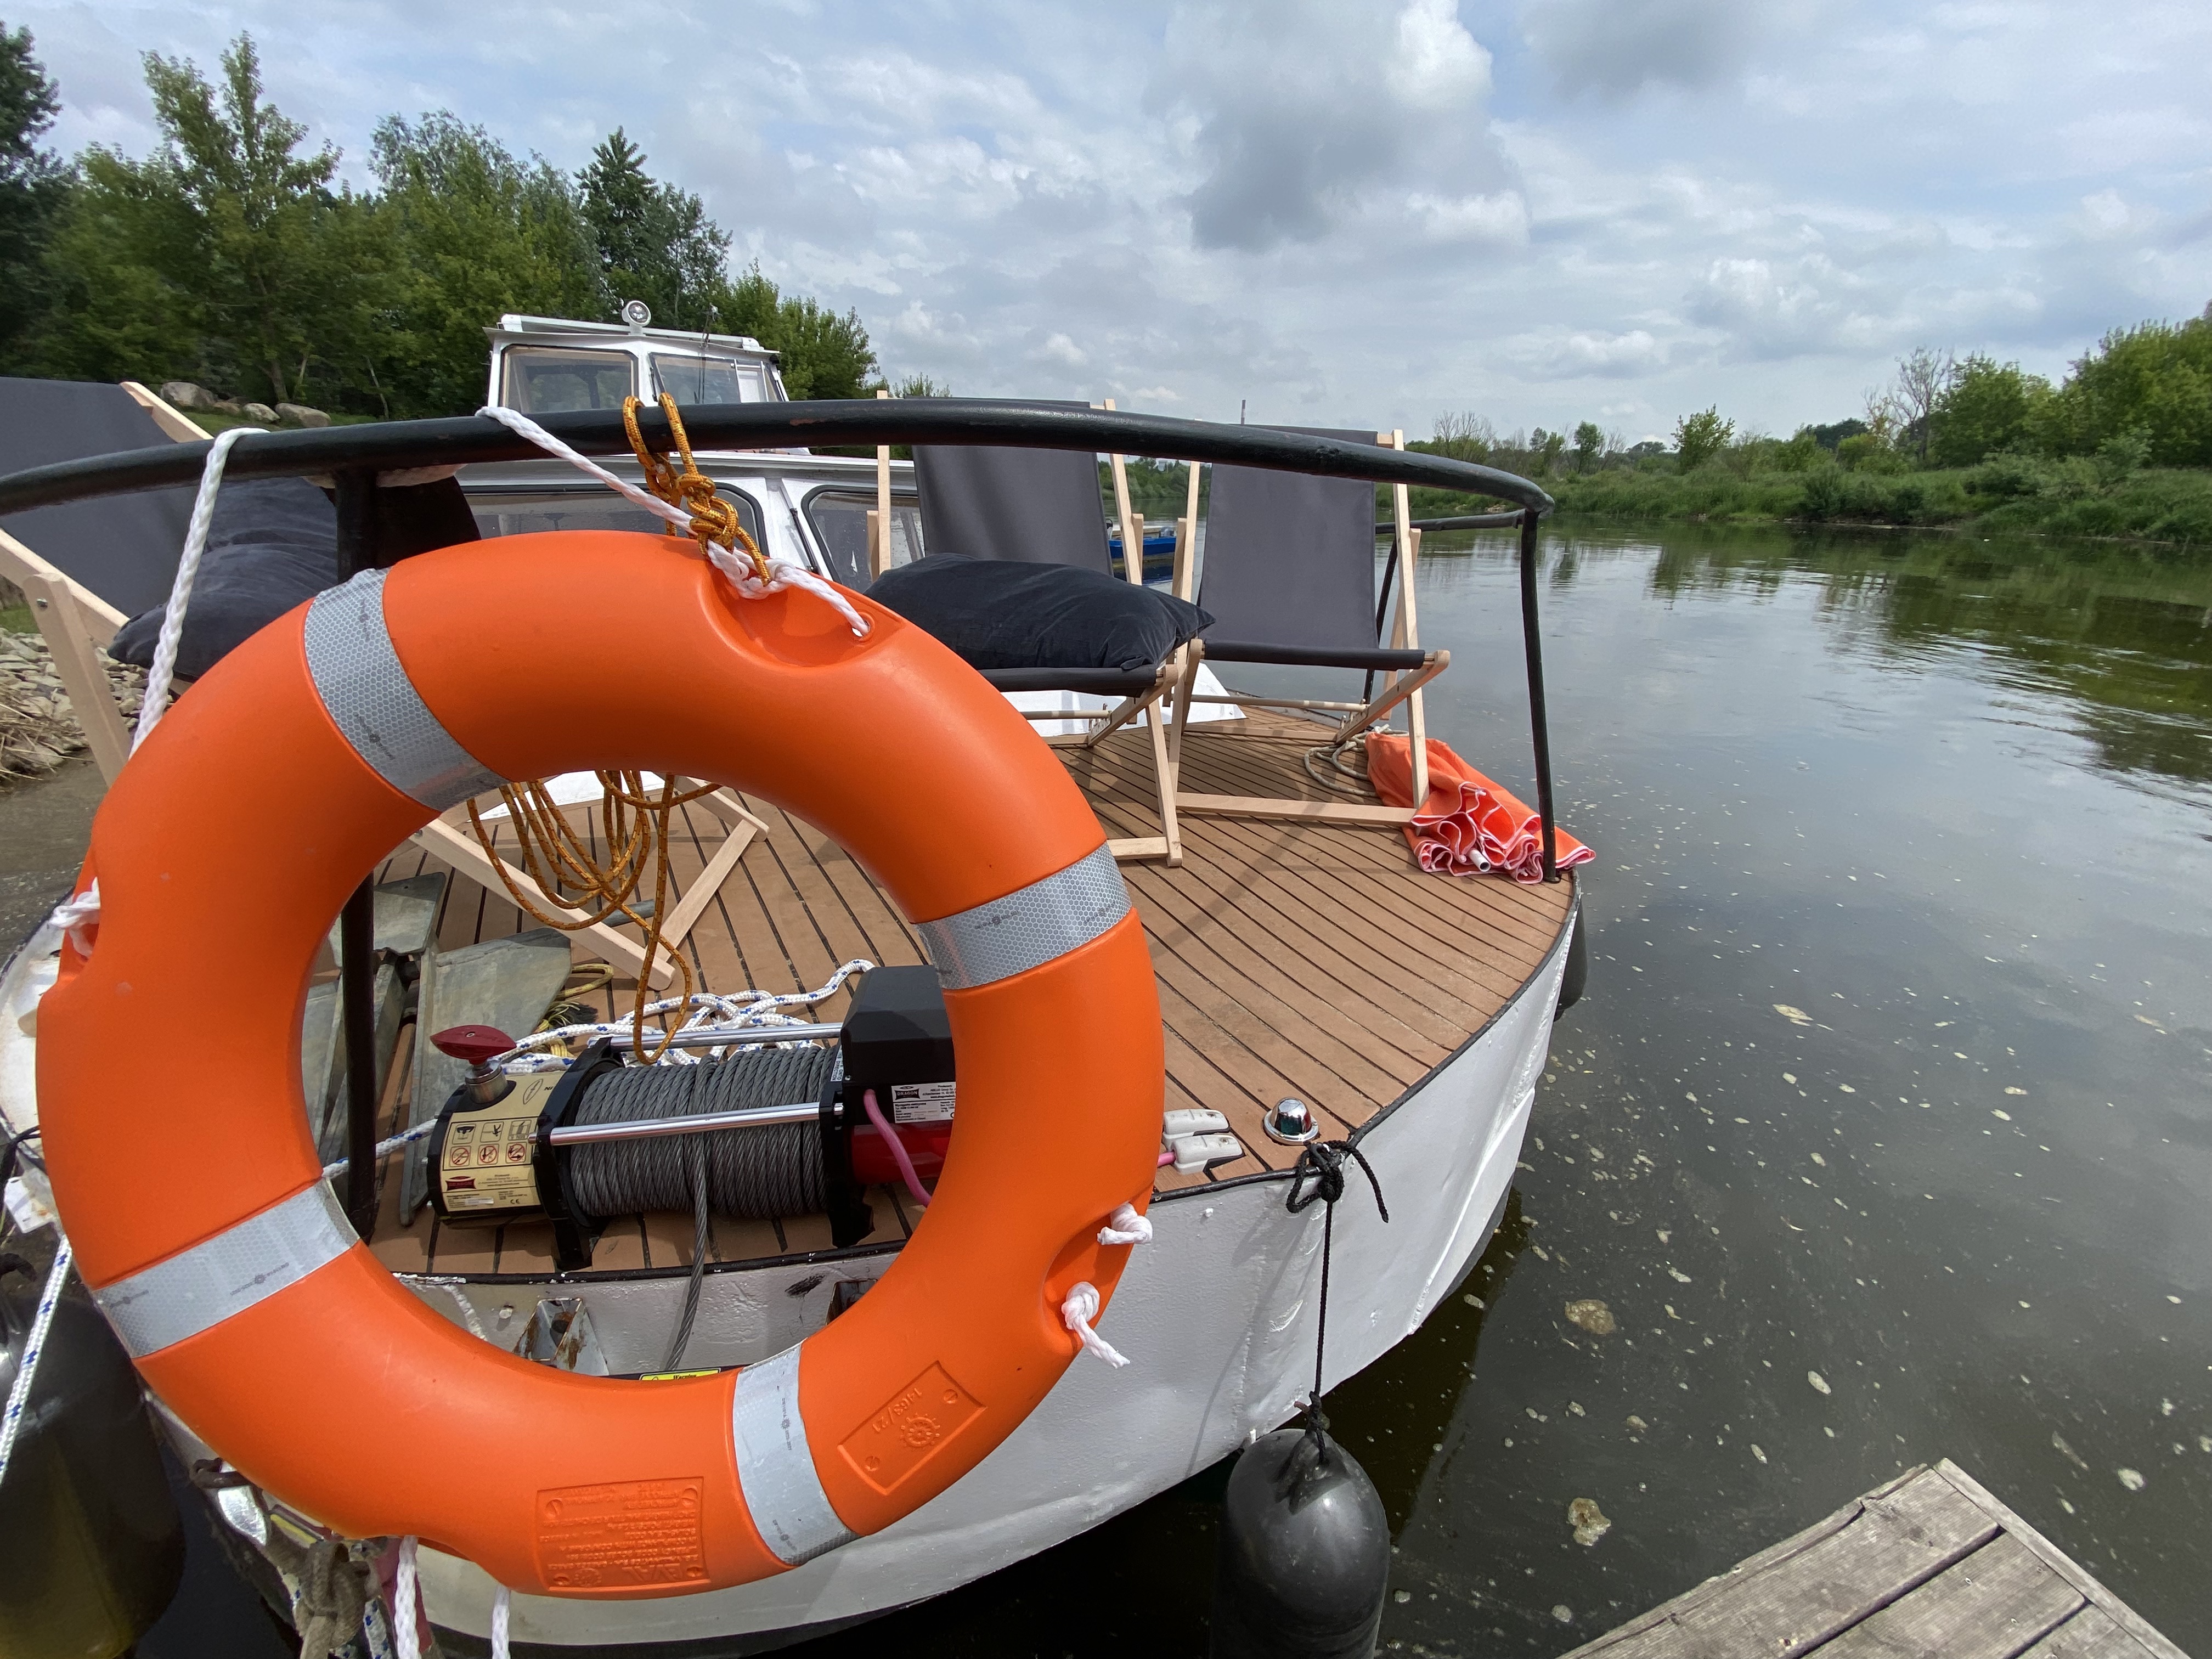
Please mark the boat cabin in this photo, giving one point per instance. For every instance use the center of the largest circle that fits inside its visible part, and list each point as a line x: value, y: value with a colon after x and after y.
x: 550, y: 365
x: 809, y: 509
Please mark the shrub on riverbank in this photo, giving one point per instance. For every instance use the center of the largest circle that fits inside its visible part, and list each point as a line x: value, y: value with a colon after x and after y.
x: 2078, y: 496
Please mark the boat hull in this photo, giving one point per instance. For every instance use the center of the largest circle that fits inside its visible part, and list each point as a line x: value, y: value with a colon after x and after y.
x: 1216, y: 1314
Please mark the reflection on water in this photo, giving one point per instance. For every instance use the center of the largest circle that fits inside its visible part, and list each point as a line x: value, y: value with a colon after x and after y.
x: 1884, y: 1133
x: 2126, y: 634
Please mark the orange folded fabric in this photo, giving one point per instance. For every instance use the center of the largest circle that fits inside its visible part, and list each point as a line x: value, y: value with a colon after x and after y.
x: 1469, y: 825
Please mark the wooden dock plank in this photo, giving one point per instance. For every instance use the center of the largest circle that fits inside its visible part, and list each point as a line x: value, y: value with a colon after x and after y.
x: 1990, y: 1606
x: 1930, y: 1565
x: 2092, y: 1633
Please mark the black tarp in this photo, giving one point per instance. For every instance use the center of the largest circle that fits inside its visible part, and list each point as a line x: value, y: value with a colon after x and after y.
x: 123, y: 548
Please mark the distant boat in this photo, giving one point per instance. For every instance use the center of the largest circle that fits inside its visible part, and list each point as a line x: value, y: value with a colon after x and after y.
x: 1159, y: 549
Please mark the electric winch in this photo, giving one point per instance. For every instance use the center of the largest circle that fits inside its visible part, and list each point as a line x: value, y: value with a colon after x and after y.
x: 792, y: 1127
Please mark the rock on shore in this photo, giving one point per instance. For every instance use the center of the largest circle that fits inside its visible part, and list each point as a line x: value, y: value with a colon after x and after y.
x: 38, y: 728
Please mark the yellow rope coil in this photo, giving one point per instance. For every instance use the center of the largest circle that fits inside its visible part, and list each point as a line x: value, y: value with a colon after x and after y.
x: 633, y: 822
x: 634, y: 827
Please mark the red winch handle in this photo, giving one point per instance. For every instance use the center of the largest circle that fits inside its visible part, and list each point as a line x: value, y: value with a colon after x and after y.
x: 473, y: 1043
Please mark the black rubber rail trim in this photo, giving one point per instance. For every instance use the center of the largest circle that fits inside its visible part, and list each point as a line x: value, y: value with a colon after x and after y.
x: 470, y: 439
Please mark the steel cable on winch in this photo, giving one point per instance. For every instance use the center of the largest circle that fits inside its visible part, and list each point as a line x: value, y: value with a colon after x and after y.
x: 759, y: 1172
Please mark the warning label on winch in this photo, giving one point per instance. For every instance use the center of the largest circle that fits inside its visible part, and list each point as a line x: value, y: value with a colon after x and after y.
x: 921, y: 1102
x: 627, y: 1534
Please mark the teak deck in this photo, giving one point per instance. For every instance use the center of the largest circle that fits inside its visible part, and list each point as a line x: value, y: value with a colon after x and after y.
x: 1929, y: 1566
x: 1313, y: 960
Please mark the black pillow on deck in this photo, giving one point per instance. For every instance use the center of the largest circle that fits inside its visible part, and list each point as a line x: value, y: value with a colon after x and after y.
x: 997, y: 613
x: 273, y: 545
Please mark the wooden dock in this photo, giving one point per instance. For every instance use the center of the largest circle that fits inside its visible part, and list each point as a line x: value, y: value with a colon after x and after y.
x: 1929, y: 1566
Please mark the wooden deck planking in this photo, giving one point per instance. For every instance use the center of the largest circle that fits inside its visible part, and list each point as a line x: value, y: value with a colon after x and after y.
x: 1312, y: 960
x: 1928, y: 1566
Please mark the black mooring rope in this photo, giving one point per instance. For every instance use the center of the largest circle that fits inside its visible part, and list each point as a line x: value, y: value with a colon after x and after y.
x: 1322, y: 1162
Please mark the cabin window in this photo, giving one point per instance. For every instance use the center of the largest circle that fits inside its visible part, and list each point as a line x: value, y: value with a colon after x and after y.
x: 522, y: 515
x: 550, y: 380
x: 696, y: 379
x: 840, y: 518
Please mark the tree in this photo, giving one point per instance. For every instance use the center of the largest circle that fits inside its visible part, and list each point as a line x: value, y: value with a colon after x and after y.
x: 2154, y: 379
x: 821, y: 355
x: 1984, y: 406
x: 655, y: 242
x: 1700, y: 437
x: 475, y: 233
x: 1922, y: 375
x: 1464, y: 437
x: 225, y: 252
x: 33, y: 185
x: 1589, y: 446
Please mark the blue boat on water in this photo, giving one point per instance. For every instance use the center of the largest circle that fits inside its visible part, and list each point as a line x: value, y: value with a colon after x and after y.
x: 1159, y: 552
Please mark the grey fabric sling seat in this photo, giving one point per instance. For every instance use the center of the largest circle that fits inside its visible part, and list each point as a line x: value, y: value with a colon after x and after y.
x: 1041, y: 507
x: 1289, y: 580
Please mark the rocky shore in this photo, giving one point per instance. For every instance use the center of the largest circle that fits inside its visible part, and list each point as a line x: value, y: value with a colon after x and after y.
x: 38, y: 730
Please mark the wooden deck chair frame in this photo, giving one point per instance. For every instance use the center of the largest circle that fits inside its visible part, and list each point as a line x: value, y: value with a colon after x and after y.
x: 77, y: 623
x: 1399, y: 685
x: 1168, y: 845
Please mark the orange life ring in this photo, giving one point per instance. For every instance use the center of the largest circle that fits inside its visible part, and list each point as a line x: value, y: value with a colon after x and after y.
x: 169, y: 1061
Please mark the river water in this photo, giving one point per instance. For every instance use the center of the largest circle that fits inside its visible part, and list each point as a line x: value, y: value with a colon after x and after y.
x: 1883, y: 1134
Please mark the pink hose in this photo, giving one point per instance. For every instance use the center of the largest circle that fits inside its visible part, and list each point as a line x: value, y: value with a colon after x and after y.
x: 898, y: 1148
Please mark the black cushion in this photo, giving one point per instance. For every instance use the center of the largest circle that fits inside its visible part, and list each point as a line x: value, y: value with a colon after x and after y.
x: 999, y: 614
x: 273, y: 545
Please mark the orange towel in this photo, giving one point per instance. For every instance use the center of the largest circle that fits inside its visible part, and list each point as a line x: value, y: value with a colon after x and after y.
x: 1468, y: 826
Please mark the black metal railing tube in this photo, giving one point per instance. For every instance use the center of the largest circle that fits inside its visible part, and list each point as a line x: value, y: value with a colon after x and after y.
x: 1539, y: 722
x: 472, y: 439
x: 359, y: 549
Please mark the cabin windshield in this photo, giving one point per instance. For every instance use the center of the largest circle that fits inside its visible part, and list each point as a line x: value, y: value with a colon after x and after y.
x: 696, y: 380
x: 551, y: 379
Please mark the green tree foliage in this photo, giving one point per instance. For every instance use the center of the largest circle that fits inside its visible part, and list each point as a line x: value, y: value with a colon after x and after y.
x: 1589, y: 446
x: 226, y: 252
x: 1700, y: 437
x: 33, y: 184
x: 2154, y: 379
x: 1984, y: 406
x: 655, y: 242
x: 821, y: 355
x: 1544, y: 447
x: 483, y: 234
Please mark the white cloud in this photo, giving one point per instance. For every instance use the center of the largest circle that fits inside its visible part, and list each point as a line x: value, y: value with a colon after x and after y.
x: 1346, y: 214
x: 1615, y: 47
x: 1299, y: 111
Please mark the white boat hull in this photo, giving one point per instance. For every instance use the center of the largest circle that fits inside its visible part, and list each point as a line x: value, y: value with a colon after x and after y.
x: 1217, y: 1314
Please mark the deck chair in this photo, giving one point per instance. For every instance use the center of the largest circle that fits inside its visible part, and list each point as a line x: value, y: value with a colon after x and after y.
x: 88, y: 567
x: 1040, y: 507
x: 1289, y: 579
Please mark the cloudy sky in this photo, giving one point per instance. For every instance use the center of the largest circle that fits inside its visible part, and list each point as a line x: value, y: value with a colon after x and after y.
x: 1539, y: 211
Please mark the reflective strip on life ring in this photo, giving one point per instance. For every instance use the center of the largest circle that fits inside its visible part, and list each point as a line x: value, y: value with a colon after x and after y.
x: 366, y: 692
x: 199, y: 1288
x: 169, y: 1082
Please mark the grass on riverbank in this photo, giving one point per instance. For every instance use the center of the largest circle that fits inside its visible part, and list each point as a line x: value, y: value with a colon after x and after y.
x: 2010, y: 493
